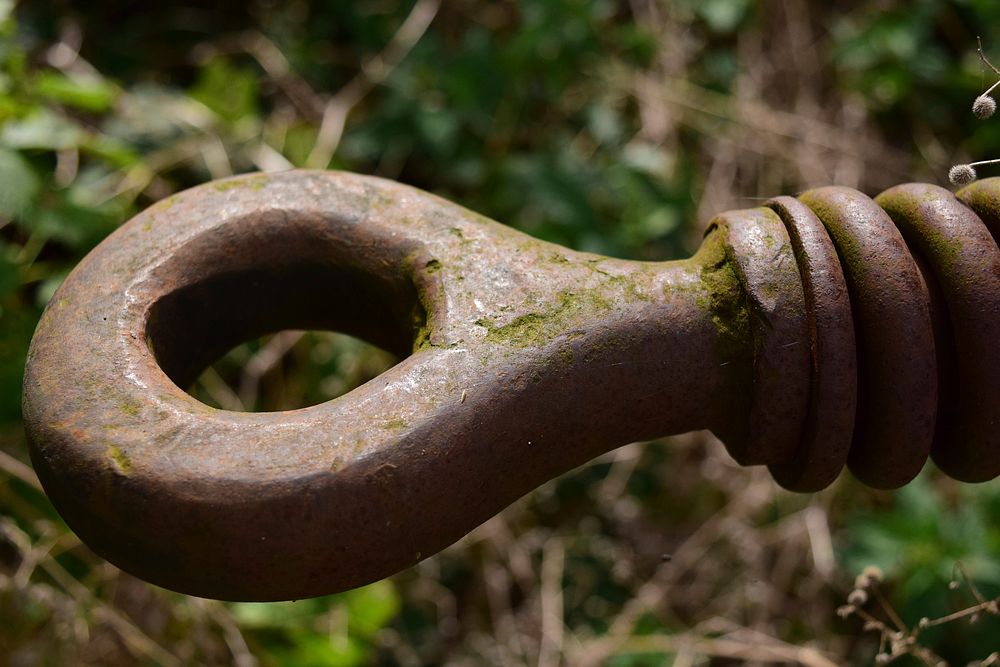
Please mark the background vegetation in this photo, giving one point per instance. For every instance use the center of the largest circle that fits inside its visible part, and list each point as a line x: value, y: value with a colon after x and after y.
x: 615, y: 127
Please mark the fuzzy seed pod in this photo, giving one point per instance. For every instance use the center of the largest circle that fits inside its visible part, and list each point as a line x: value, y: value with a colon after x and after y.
x: 984, y: 107
x: 858, y: 598
x: 961, y: 174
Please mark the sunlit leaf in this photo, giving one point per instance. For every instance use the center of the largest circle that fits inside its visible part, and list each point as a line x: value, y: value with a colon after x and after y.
x: 87, y: 93
x: 371, y: 607
x: 45, y: 129
x: 228, y: 90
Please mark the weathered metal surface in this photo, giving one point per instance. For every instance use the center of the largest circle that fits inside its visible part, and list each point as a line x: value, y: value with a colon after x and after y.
x: 516, y: 344
x: 897, y: 390
x: 522, y: 360
x: 826, y: 437
x: 760, y: 252
x: 965, y: 265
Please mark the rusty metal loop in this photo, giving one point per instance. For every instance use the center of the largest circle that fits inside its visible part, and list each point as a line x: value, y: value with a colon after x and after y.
x: 516, y: 345
x: 520, y: 360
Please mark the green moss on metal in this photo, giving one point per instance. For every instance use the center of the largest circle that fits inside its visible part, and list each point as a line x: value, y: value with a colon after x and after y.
x: 849, y: 250
x: 539, y: 328
x: 630, y: 288
x: 729, y: 306
x: 165, y: 204
x: 723, y: 297
x: 942, y: 250
x: 421, y: 329
x: 422, y: 338
x: 566, y: 355
x: 420, y: 322
x: 395, y: 424
x: 254, y: 183
x: 119, y: 459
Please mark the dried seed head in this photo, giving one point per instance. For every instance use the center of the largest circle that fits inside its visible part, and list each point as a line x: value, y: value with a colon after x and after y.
x: 873, y: 573
x: 845, y: 610
x: 962, y: 174
x: 858, y: 598
x: 984, y: 106
x: 953, y: 585
x: 869, y: 576
x: 924, y: 623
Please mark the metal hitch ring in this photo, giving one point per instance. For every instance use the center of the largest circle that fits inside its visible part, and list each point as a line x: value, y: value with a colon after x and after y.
x: 807, y: 334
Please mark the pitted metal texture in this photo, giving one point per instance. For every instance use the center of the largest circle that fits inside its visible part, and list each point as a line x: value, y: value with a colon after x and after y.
x: 808, y: 334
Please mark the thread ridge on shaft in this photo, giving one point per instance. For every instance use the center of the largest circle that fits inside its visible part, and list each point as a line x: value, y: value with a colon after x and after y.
x: 903, y: 305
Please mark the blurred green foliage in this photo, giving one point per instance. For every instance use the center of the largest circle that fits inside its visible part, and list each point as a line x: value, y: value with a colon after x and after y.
x: 540, y: 115
x: 918, y: 544
x: 333, y: 631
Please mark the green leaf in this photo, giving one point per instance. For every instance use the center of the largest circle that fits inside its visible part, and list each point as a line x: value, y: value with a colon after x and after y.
x: 322, y: 650
x: 75, y: 219
x: 44, y: 129
x: 47, y: 288
x: 228, y: 90
x: 313, y: 632
x: 261, y: 614
x: 371, y: 607
x: 20, y: 184
x: 89, y: 94
x: 116, y: 153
